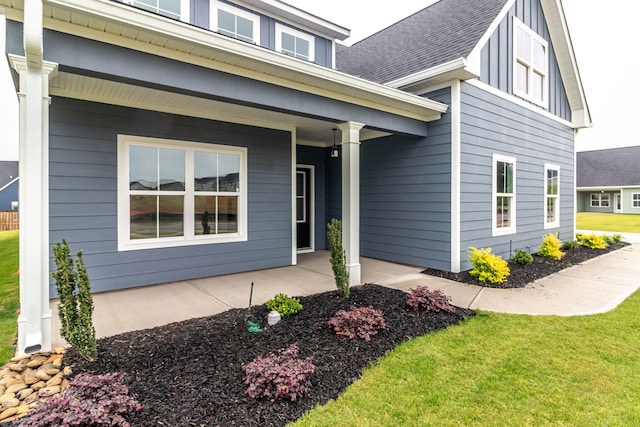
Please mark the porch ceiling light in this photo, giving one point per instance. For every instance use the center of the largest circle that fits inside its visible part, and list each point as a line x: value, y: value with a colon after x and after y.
x: 334, y: 150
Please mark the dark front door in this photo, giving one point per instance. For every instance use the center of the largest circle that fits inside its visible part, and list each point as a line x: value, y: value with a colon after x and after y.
x: 303, y: 207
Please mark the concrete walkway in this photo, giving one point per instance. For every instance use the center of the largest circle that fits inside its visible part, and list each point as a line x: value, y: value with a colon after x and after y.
x: 595, y: 286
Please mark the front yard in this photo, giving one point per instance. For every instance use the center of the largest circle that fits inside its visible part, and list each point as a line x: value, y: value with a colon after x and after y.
x: 9, y: 298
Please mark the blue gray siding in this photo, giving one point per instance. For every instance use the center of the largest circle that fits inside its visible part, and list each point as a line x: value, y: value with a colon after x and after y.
x: 316, y: 156
x: 406, y: 196
x: 83, y: 195
x: 491, y: 125
x: 9, y: 194
x: 497, y: 56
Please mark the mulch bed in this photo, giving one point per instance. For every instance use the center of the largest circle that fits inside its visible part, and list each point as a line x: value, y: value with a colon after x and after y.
x: 189, y: 373
x: 520, y: 275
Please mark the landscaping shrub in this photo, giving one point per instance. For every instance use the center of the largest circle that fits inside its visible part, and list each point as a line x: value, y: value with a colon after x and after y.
x: 89, y: 400
x: 284, y: 304
x: 592, y: 241
x: 279, y: 376
x: 570, y: 244
x: 550, y: 247
x: 338, y: 257
x: 421, y: 298
x: 522, y: 257
x: 611, y: 239
x: 358, y: 322
x: 75, y: 308
x: 487, y: 267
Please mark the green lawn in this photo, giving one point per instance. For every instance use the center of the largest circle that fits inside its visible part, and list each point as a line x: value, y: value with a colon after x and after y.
x: 503, y: 370
x: 620, y: 223
x: 9, y: 293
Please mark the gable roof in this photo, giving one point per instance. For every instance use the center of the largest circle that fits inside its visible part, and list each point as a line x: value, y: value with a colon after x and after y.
x: 8, y: 173
x: 614, y: 167
x: 445, y: 31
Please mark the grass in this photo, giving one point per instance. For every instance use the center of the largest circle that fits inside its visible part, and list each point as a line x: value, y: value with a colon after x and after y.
x: 620, y: 223
x: 507, y: 370
x: 9, y: 293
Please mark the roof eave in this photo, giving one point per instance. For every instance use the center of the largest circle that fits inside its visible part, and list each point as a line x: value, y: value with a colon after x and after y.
x: 422, y: 81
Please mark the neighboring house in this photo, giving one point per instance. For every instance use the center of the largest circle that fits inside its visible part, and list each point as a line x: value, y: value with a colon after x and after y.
x: 8, y: 185
x: 608, y: 181
x: 197, y: 140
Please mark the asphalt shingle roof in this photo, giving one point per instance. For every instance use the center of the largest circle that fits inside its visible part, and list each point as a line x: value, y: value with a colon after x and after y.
x: 608, y: 168
x: 444, y: 31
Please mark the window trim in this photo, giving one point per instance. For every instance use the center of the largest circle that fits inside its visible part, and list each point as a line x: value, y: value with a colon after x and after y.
x: 216, y: 5
x: 185, y: 12
x: 633, y: 206
x: 600, y: 197
x: 280, y: 29
x: 556, y: 222
x: 501, y: 231
x: 544, y: 102
x: 189, y: 238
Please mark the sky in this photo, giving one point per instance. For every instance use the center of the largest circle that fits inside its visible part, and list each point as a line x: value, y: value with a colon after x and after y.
x: 602, y: 32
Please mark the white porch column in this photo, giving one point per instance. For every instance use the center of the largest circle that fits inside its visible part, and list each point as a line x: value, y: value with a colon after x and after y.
x: 34, y: 321
x: 351, y: 197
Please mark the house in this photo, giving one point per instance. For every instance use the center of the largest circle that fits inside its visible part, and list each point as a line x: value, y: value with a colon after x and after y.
x: 608, y: 181
x: 8, y: 185
x: 196, y: 138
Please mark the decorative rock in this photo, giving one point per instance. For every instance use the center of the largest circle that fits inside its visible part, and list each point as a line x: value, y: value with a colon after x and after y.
x: 39, y: 385
x: 55, y: 380
x: 9, y: 381
x: 31, y: 379
x: 52, y: 371
x: 7, y: 396
x: 67, y: 371
x: 16, y: 388
x: 60, y: 350
x: 17, y: 367
x: 58, y: 363
x: 36, y: 362
x: 19, y: 358
x: 10, y: 403
x: 23, y: 409
x: 43, y: 375
x: 8, y: 413
x: 23, y: 394
x: 49, y: 391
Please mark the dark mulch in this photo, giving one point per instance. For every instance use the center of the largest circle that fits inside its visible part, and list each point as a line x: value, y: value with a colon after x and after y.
x: 189, y: 373
x: 520, y: 275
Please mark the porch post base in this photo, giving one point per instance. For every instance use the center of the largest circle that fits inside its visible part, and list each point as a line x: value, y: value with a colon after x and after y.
x: 354, y: 271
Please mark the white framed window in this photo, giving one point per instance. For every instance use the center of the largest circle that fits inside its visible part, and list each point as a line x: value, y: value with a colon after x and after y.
x: 294, y: 43
x: 177, y: 193
x: 600, y: 200
x: 176, y: 9
x: 551, y: 196
x: 234, y: 22
x: 504, y: 195
x: 530, y: 64
x: 635, y: 200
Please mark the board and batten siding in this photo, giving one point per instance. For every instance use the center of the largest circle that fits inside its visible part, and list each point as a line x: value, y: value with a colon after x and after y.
x: 405, y: 196
x: 83, y: 195
x: 497, y: 56
x: 492, y: 125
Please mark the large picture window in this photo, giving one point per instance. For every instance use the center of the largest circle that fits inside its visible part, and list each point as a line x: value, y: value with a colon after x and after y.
x: 234, y: 22
x: 504, y: 195
x: 173, y: 193
x: 294, y: 43
x: 600, y: 200
x: 552, y: 196
x: 530, y: 64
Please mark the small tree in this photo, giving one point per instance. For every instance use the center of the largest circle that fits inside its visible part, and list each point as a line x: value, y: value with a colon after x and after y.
x: 338, y: 257
x: 76, y: 303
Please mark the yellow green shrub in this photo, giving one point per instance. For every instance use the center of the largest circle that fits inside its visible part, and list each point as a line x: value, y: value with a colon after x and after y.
x: 550, y: 247
x: 592, y: 241
x: 487, y: 267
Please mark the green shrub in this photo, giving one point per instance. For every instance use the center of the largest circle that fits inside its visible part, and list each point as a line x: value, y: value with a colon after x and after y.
x: 570, y: 244
x: 284, y: 304
x: 338, y: 257
x: 522, y: 257
x: 550, y: 247
x: 611, y: 239
x: 76, y: 304
x: 487, y: 267
x: 592, y: 241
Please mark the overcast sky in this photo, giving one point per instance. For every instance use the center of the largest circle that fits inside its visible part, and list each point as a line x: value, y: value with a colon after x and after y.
x: 604, y: 34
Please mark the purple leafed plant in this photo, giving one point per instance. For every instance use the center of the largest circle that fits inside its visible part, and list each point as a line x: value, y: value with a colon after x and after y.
x: 358, y: 322
x: 423, y: 299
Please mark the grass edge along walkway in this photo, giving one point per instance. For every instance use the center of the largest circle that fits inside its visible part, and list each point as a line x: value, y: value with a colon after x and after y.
x: 501, y: 369
x: 9, y: 293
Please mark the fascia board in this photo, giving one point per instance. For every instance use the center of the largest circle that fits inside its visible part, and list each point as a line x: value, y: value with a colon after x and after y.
x: 273, y: 66
x: 442, y: 72
x: 604, y: 187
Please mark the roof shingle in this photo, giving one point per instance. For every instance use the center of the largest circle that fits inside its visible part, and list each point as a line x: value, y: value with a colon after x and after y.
x: 614, y: 167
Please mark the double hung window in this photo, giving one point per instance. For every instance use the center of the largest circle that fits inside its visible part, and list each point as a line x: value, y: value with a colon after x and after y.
x: 235, y: 22
x: 530, y: 64
x: 552, y: 196
x: 504, y: 195
x: 176, y: 9
x: 294, y: 43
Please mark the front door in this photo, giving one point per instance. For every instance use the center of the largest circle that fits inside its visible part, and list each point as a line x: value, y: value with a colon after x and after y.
x: 617, y: 203
x: 304, y: 208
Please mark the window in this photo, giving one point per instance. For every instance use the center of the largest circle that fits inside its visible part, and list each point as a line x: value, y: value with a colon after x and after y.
x: 235, y: 22
x: 176, y: 9
x: 294, y: 43
x: 635, y: 200
x: 504, y: 192
x: 552, y: 195
x: 530, y: 59
x: 173, y: 193
x: 600, y: 200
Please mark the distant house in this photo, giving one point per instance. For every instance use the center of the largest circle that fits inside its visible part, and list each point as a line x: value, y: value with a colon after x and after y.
x: 8, y: 185
x: 608, y: 180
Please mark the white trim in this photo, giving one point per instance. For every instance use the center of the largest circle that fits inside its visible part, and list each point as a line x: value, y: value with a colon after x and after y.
x: 496, y: 231
x: 456, y: 138
x: 280, y: 29
x: 312, y: 209
x: 600, y: 197
x: 216, y: 5
x: 528, y: 63
x: 294, y: 228
x: 188, y: 239
x: 556, y: 223
x: 454, y: 65
x: 611, y: 188
x: 617, y: 197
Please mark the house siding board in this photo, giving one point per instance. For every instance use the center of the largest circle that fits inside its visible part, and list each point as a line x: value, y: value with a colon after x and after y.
x: 497, y: 56
x: 492, y: 125
x: 83, y: 200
